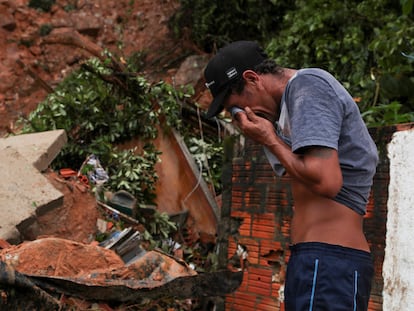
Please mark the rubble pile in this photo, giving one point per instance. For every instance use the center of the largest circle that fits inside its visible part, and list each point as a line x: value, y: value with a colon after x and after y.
x: 59, y: 262
x: 30, y: 67
x: 50, y: 258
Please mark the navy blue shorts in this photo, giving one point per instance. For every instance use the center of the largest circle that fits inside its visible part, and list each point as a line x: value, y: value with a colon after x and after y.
x: 322, y: 276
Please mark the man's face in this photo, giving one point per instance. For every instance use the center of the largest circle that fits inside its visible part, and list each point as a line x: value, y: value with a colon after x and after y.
x: 254, y: 97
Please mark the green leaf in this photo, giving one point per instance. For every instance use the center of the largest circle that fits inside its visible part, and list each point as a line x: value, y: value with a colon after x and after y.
x: 407, y: 6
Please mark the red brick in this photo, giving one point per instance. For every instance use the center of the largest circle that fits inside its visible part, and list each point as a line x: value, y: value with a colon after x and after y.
x: 264, y: 262
x: 260, y: 283
x: 245, y: 215
x: 259, y: 290
x: 263, y: 227
x: 252, y: 248
x: 242, y: 307
x: 245, y: 227
x: 260, y: 273
x: 244, y: 231
x: 275, y: 289
x: 243, y: 296
x: 232, y: 243
x: 262, y: 234
x: 266, y: 246
x: 237, y: 205
x: 230, y: 298
x: 253, y: 258
x: 267, y: 304
x: 244, y: 285
x: 244, y: 300
x: 268, y: 218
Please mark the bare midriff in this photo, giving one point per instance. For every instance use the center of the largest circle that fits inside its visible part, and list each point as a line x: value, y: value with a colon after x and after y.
x: 321, y: 219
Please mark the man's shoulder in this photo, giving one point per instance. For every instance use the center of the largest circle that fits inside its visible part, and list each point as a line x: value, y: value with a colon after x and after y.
x: 315, y: 78
x: 318, y: 72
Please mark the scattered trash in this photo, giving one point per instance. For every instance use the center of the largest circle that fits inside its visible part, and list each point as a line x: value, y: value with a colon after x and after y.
x: 124, y: 202
x: 126, y: 244
x: 67, y: 173
x: 93, y: 169
x: 116, y: 215
x: 146, y: 210
x: 103, y: 226
x: 78, y: 180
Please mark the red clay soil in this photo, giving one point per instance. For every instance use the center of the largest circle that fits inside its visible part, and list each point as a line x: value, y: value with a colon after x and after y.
x: 76, y: 219
x: 76, y: 223
x: 30, y: 63
x: 59, y: 257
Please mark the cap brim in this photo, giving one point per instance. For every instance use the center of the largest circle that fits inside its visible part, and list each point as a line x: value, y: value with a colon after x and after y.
x: 216, y: 105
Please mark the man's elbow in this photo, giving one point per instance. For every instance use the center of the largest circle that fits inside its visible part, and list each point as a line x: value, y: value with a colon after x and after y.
x: 332, y: 192
x: 331, y: 188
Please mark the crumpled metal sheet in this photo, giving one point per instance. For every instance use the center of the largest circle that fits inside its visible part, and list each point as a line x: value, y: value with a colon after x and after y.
x: 10, y: 277
x: 209, y: 284
x: 153, y: 275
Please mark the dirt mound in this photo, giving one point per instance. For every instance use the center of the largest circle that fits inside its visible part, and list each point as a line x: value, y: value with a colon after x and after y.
x: 59, y: 257
x: 31, y: 64
x: 76, y: 219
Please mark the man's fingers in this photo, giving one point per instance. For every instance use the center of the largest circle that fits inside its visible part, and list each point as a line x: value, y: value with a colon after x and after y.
x: 237, y: 116
x: 246, y: 117
x: 250, y: 114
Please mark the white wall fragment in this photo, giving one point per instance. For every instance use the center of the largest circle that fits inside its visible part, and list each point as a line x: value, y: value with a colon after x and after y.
x: 398, y: 267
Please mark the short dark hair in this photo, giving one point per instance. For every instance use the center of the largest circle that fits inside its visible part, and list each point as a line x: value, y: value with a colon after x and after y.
x: 268, y: 66
x: 265, y: 67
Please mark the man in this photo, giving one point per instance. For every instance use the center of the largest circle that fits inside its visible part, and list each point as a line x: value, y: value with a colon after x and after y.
x: 308, y: 123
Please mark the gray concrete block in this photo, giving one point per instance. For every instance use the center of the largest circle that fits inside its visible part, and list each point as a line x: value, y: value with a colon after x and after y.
x: 38, y: 148
x: 24, y: 192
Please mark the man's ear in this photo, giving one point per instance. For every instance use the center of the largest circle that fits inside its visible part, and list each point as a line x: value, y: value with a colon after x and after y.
x: 252, y: 79
x: 250, y: 76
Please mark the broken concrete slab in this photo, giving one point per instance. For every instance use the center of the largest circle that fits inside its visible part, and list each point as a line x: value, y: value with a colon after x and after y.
x: 24, y: 192
x: 38, y: 148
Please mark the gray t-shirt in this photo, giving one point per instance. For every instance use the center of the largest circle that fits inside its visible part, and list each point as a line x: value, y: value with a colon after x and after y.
x: 316, y: 110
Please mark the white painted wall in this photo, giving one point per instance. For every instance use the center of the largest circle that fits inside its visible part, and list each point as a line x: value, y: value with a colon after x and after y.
x: 398, y: 267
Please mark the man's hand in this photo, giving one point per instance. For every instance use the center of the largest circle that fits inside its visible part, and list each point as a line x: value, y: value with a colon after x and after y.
x: 255, y: 127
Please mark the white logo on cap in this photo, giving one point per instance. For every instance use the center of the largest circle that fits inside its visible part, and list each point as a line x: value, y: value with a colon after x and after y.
x: 208, y: 84
x: 231, y: 73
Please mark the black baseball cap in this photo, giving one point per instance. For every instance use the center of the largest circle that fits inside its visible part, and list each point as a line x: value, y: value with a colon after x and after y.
x: 226, y: 67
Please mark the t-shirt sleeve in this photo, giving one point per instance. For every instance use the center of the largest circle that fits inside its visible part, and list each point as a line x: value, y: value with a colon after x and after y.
x: 315, y: 112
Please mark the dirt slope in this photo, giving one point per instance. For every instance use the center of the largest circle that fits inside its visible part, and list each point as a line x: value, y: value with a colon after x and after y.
x: 33, y: 62
x: 30, y: 64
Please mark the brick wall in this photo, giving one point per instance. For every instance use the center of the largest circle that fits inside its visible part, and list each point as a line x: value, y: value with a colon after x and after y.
x: 260, y: 204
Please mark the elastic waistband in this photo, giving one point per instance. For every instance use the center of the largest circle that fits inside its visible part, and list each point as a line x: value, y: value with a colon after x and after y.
x: 328, y: 249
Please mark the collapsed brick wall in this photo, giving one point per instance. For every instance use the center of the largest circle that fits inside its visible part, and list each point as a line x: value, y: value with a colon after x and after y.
x: 261, y: 203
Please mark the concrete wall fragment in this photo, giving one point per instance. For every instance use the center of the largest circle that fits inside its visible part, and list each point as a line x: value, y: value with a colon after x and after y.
x: 398, y: 267
x: 24, y: 192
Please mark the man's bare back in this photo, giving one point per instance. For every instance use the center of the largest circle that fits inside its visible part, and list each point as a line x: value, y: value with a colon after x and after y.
x: 320, y: 219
